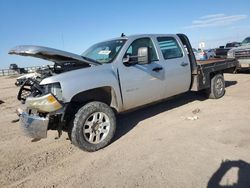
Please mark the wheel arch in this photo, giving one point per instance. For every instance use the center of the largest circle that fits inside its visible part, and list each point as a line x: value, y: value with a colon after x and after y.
x: 212, y: 74
x: 105, y: 94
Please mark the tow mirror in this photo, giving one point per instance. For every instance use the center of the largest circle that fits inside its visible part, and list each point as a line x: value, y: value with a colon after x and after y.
x: 143, y: 55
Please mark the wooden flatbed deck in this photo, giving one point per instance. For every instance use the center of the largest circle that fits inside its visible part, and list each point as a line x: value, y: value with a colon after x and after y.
x: 214, y: 60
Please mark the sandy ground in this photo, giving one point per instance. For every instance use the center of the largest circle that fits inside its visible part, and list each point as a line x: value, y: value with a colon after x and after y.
x: 154, y: 147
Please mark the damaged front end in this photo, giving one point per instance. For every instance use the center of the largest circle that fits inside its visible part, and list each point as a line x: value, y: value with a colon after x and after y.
x: 43, y: 108
x: 43, y: 104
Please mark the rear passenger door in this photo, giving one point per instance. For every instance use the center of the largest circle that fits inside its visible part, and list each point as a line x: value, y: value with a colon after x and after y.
x: 177, y: 65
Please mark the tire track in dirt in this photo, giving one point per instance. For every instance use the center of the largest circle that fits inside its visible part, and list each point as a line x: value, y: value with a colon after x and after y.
x: 34, y: 163
x: 159, y: 149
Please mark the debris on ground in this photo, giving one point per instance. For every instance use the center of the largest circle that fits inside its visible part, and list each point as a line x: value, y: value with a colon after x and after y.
x: 192, y: 118
x: 196, y: 111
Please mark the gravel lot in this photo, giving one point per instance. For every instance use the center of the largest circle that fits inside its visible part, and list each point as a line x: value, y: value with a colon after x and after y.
x: 157, y: 146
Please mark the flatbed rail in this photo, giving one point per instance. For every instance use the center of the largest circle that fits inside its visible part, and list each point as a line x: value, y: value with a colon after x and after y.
x: 207, y: 69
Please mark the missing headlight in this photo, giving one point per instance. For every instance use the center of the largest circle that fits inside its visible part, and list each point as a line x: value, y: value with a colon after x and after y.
x: 55, y: 89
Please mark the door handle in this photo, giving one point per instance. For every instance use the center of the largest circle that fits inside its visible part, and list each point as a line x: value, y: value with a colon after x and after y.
x: 184, y: 64
x: 157, y: 69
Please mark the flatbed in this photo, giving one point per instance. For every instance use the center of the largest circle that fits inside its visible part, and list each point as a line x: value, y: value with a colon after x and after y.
x: 212, y: 60
x: 206, y: 69
x: 203, y: 71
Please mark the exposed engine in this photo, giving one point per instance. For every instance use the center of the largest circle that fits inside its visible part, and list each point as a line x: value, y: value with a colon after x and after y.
x: 30, y: 85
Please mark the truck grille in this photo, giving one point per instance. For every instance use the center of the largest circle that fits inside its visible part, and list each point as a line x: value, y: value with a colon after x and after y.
x: 242, y: 54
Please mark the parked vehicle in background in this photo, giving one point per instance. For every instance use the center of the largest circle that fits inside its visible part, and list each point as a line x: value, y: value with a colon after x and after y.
x: 203, y: 54
x: 242, y: 54
x: 196, y: 54
x: 111, y: 77
x: 221, y: 52
x: 246, y: 42
x: 233, y: 44
x: 15, y: 68
x: 210, y: 53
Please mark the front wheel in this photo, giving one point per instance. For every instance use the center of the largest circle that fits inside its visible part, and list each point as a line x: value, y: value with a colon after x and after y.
x: 93, y: 127
x: 217, y: 88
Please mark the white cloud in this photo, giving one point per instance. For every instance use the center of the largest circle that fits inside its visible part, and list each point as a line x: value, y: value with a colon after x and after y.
x: 216, y: 20
x: 212, y: 16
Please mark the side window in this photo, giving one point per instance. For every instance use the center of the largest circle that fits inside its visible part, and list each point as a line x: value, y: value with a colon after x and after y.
x: 169, y: 47
x: 142, y: 42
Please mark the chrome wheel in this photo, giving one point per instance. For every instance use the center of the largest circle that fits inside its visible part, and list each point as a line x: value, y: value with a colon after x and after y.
x: 219, y: 86
x: 96, y: 127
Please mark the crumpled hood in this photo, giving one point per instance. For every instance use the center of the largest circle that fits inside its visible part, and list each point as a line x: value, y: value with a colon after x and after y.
x: 50, y: 54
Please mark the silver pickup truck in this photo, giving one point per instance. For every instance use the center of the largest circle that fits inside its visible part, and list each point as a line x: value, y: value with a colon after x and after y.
x: 83, y: 93
x: 242, y: 54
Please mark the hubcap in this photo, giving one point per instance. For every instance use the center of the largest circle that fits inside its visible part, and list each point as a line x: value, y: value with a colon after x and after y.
x: 219, y: 86
x: 96, y: 127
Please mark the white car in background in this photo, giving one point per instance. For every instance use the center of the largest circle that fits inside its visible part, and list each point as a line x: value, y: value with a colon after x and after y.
x: 203, y: 54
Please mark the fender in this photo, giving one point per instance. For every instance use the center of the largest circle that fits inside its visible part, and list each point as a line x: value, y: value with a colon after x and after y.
x: 78, y: 81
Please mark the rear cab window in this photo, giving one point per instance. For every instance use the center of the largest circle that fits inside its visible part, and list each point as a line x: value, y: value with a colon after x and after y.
x: 169, y: 47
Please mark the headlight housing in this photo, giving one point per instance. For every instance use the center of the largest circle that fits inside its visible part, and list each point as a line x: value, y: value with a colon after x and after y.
x: 45, y: 103
x: 55, y: 89
x: 230, y: 54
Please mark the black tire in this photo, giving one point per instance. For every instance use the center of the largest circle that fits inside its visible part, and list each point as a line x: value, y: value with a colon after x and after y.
x: 80, y: 139
x: 217, y: 87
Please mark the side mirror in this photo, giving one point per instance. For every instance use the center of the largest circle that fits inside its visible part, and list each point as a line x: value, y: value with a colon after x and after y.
x: 126, y: 59
x: 143, y: 55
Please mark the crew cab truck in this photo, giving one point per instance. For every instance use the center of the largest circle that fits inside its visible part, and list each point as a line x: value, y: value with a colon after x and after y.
x: 84, y: 92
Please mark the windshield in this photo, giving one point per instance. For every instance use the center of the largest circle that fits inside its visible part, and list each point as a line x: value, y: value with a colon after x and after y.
x: 104, y: 52
x: 246, y: 41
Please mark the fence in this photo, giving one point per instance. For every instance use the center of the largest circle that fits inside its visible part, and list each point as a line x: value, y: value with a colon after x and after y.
x: 10, y: 72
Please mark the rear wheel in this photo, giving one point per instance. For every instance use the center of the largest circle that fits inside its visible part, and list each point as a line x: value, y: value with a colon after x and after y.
x: 217, y: 88
x: 93, y: 127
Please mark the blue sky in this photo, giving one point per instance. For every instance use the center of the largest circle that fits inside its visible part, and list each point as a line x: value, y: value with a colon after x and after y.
x: 75, y: 25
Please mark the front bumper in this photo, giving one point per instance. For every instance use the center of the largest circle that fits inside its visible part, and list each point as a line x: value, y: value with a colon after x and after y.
x: 34, y: 126
x: 244, y: 63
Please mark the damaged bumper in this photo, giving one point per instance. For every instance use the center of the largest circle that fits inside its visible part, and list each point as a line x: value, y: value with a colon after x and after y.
x: 40, y: 115
x: 34, y: 126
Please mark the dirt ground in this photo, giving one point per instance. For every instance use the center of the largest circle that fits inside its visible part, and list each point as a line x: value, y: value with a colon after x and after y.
x: 158, y: 146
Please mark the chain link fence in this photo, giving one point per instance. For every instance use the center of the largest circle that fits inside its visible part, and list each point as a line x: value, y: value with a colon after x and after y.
x: 11, y: 72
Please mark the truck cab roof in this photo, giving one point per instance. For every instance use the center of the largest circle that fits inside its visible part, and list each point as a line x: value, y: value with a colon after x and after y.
x: 136, y: 36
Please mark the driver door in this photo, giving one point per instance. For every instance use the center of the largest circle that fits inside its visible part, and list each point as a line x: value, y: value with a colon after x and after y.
x: 142, y: 83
